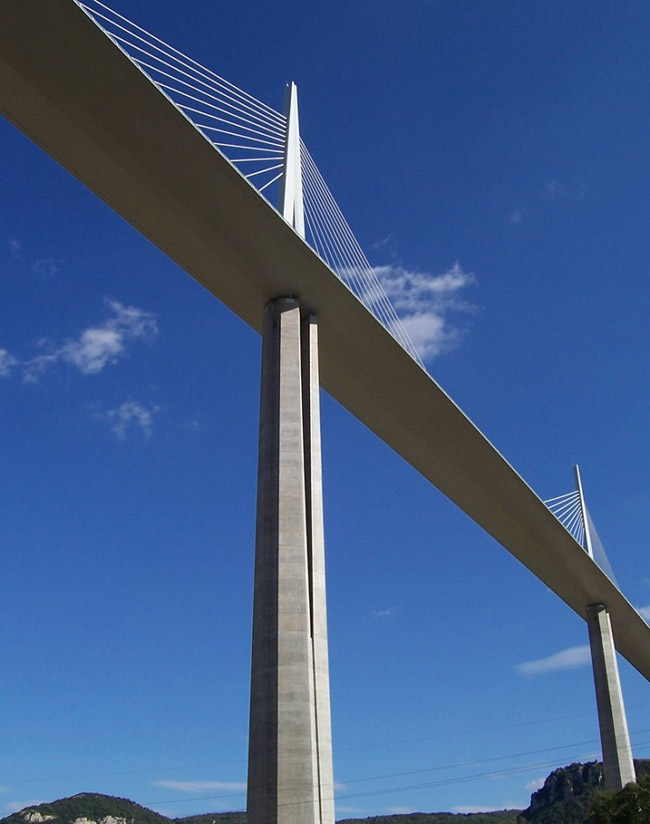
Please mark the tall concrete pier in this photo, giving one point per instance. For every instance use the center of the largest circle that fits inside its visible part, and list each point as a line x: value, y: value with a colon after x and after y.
x: 290, y: 756
x: 618, y: 765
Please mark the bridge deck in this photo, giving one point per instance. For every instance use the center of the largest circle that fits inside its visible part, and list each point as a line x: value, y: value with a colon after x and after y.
x: 66, y: 86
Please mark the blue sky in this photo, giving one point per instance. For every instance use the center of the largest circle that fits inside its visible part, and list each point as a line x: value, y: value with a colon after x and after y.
x: 492, y: 160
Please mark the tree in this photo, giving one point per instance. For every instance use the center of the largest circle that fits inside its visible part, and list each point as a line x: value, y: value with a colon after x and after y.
x: 631, y: 805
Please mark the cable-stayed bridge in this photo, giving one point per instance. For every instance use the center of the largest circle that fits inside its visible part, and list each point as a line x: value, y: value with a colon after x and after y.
x: 252, y: 135
x: 195, y: 164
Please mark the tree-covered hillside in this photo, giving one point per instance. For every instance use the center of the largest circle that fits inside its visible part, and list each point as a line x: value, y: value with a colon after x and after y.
x: 93, y: 806
x: 104, y: 809
x: 570, y: 795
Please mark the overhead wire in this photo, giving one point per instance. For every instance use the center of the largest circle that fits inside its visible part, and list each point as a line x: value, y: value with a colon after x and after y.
x: 522, y: 768
x: 392, y: 743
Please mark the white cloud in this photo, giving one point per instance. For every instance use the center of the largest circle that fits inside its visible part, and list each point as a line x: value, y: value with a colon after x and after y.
x: 46, y: 267
x: 199, y: 786
x: 7, y: 361
x: 130, y: 414
x: 401, y: 810
x: 97, y: 346
x: 475, y: 808
x: 387, y: 612
x: 43, y: 267
x: 644, y: 612
x: 424, y: 301
x: 555, y: 189
x: 570, y: 658
x: 536, y: 784
x: 514, y: 217
x: 383, y: 242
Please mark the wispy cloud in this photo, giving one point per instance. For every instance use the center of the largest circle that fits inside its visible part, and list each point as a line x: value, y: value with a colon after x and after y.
x: 199, y: 786
x: 96, y: 346
x: 424, y: 303
x: 558, y: 190
x: 535, y: 784
x: 515, y: 217
x: 130, y: 415
x: 387, y: 612
x: 379, y: 244
x: 554, y: 188
x: 44, y: 267
x: 566, y: 659
x: 401, y: 810
x: 7, y: 362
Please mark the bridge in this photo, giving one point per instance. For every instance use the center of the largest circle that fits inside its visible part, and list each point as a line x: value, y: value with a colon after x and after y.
x: 296, y: 276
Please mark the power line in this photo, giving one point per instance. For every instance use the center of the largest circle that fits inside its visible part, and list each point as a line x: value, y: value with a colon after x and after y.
x: 441, y: 782
x: 377, y: 745
x: 385, y: 790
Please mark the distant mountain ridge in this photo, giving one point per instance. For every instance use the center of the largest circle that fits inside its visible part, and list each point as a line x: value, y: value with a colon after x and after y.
x: 566, y: 797
x: 94, y: 808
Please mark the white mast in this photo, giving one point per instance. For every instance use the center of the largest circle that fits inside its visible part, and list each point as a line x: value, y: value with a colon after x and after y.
x: 290, y: 198
x: 583, y: 510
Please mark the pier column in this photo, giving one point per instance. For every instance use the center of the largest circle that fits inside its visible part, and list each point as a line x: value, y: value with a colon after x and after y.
x: 618, y: 766
x: 290, y: 762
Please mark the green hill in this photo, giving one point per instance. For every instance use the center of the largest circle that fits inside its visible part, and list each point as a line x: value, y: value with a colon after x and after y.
x: 92, y: 806
x: 106, y: 809
x: 570, y: 795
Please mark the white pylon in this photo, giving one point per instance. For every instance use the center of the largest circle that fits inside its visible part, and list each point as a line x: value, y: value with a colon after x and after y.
x: 583, y: 510
x: 290, y: 200
x: 290, y: 779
